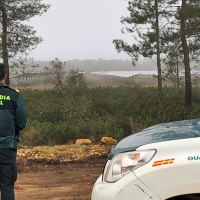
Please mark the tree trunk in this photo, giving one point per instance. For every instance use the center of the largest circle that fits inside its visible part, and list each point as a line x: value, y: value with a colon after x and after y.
x: 177, y: 72
x: 160, y: 97
x: 4, y: 41
x: 188, y: 84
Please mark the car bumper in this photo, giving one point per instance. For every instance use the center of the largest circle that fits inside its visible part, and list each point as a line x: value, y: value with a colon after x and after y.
x: 127, y: 188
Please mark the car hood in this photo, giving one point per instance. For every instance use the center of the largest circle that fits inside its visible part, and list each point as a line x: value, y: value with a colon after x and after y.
x: 159, y: 133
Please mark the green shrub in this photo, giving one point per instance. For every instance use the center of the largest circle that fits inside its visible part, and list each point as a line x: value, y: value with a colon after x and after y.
x: 101, y: 111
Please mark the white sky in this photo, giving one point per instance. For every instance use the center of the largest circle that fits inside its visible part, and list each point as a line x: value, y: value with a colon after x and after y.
x: 80, y: 29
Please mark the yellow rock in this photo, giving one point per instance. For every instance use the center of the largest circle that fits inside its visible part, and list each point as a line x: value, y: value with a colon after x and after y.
x: 108, y: 141
x: 83, y: 142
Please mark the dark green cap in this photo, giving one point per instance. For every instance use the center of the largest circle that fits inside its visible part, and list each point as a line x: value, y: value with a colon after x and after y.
x: 2, y: 68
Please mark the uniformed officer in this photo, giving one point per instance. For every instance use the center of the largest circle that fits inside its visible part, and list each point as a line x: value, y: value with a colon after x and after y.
x: 13, y: 118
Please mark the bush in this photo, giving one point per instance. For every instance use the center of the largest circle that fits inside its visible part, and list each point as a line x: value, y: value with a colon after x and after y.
x: 101, y: 111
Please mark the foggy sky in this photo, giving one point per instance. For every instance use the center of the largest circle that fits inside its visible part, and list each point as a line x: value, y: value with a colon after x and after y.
x: 80, y: 29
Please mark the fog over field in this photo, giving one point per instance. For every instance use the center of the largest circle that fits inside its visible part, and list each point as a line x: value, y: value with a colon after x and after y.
x: 105, y: 65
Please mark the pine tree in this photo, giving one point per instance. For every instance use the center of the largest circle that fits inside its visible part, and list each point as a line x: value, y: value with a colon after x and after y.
x: 159, y: 25
x: 184, y: 30
x: 16, y: 37
x: 144, y: 23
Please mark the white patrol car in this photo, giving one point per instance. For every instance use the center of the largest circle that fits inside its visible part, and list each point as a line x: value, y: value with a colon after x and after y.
x: 159, y: 163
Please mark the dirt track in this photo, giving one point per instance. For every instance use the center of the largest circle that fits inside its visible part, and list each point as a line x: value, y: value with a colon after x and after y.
x: 73, y: 181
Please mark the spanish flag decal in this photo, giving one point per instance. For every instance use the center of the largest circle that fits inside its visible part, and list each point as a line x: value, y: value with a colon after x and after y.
x: 163, y: 162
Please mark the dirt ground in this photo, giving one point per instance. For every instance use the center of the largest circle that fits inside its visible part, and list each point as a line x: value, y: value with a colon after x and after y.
x: 70, y: 181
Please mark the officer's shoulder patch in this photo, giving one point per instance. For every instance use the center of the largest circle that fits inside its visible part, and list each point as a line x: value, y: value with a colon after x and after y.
x: 16, y: 90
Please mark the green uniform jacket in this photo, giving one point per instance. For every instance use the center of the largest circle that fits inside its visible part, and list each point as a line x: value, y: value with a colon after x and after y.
x: 13, y: 116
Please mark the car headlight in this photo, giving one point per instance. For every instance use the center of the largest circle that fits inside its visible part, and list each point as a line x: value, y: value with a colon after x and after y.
x: 124, y: 163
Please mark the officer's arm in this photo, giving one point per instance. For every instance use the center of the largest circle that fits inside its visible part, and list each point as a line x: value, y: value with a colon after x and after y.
x: 21, y: 116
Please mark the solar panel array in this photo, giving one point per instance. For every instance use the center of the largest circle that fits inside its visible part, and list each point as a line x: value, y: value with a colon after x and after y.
x: 125, y: 74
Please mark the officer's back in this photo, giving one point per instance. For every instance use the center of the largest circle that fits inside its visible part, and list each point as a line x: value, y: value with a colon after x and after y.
x: 13, y: 119
x: 12, y: 115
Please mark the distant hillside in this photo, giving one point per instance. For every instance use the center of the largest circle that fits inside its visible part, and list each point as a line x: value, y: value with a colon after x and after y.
x: 146, y: 64
x: 105, y: 65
